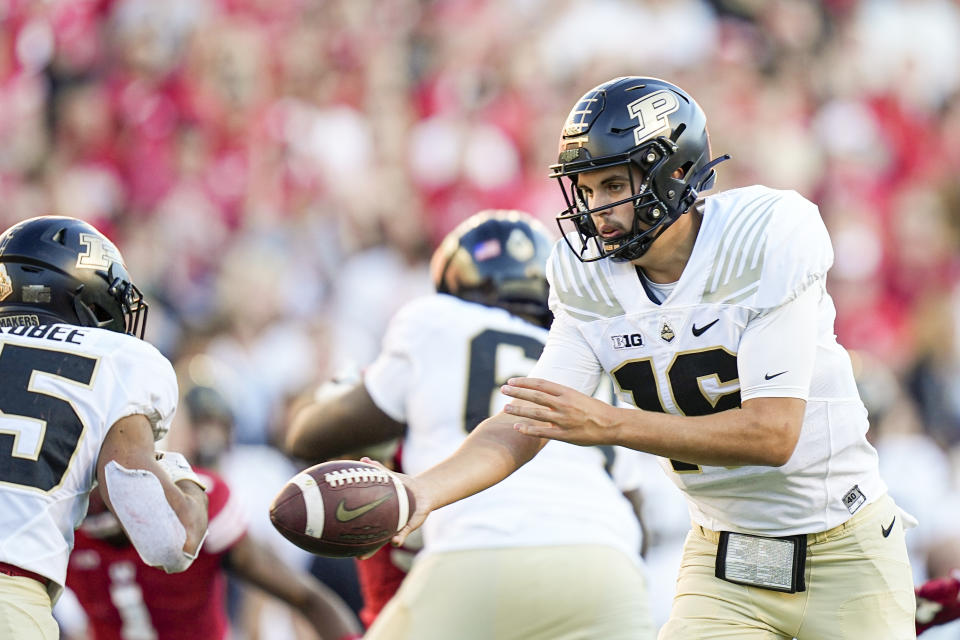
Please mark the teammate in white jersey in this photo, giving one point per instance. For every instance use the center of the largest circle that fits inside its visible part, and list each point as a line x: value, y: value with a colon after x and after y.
x: 552, y: 553
x: 82, y: 402
x: 713, y: 318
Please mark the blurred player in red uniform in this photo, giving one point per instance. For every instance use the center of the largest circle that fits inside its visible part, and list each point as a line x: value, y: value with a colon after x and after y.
x: 125, y: 599
x: 938, y: 601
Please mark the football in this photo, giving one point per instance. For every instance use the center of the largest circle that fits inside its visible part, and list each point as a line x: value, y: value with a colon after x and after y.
x: 341, y: 508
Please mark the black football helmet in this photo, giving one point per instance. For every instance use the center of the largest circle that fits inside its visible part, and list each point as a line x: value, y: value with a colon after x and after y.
x: 645, y: 123
x: 60, y: 269
x: 497, y: 258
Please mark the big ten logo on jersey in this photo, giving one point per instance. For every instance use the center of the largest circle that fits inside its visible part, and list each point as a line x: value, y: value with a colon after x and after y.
x: 99, y: 253
x: 652, y: 112
x: 626, y: 340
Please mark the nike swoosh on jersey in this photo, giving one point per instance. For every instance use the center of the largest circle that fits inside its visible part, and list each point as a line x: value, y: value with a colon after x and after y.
x: 343, y: 514
x: 886, y: 530
x: 698, y: 331
x: 771, y: 376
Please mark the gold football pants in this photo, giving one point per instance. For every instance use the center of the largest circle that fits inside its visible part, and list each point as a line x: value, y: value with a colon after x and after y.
x: 577, y: 592
x: 25, y: 612
x: 859, y: 585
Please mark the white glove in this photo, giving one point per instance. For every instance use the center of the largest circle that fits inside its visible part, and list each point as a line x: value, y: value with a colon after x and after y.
x: 178, y: 468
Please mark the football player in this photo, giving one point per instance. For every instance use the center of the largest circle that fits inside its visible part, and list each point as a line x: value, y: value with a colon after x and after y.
x: 82, y: 402
x: 553, y: 551
x: 123, y: 598
x: 713, y: 318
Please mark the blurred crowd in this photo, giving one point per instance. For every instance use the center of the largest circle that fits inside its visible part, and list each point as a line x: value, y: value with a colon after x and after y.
x: 277, y: 171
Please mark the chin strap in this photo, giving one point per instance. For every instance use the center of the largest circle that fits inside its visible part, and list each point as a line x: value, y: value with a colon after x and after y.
x: 702, y: 179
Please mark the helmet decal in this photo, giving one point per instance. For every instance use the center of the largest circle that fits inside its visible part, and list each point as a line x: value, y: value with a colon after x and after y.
x: 583, y: 114
x: 39, y: 293
x: 487, y: 250
x: 519, y: 246
x: 652, y: 112
x: 6, y: 284
x: 99, y: 253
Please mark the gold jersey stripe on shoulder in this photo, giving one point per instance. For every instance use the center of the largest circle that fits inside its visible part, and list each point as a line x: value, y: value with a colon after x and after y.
x: 584, y: 288
x: 739, y: 260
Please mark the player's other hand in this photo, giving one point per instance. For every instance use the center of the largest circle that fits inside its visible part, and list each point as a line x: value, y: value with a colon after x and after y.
x: 563, y: 413
x: 423, y: 504
x: 938, y: 601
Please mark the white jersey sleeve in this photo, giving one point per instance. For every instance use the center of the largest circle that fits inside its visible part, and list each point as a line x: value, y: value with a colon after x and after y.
x: 147, y: 385
x: 567, y: 357
x: 772, y: 366
x: 388, y: 378
x: 797, y: 249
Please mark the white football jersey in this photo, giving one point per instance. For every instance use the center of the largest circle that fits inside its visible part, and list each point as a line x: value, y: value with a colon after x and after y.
x: 440, y: 371
x: 749, y: 317
x: 63, y: 388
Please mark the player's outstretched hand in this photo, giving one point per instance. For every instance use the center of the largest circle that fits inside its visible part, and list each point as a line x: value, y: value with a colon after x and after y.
x: 569, y: 415
x: 422, y: 503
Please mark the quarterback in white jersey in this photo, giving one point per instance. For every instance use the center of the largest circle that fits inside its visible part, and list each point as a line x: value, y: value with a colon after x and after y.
x: 713, y: 318
x: 553, y: 551
x: 82, y: 401
x: 760, y: 261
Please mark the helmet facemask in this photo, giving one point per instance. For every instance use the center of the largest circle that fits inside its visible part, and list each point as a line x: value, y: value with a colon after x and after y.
x: 652, y: 214
x: 120, y: 307
x: 135, y: 308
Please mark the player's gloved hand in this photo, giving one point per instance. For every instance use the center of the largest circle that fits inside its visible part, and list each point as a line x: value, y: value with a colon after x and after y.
x: 938, y: 601
x: 177, y: 467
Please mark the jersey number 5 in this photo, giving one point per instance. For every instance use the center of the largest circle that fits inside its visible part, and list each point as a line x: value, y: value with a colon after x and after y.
x: 39, y: 431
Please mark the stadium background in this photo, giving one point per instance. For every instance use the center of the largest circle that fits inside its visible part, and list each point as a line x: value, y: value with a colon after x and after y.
x: 277, y: 172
